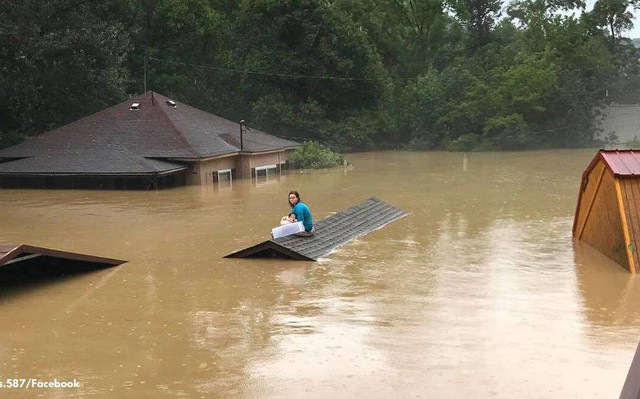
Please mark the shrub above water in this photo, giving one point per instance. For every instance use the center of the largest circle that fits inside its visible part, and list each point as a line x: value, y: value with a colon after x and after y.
x: 313, y: 155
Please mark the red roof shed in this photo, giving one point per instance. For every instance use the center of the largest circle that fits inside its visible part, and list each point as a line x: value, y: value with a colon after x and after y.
x: 608, y: 210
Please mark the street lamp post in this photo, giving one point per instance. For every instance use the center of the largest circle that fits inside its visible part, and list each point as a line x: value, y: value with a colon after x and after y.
x: 241, y: 132
x: 240, y: 156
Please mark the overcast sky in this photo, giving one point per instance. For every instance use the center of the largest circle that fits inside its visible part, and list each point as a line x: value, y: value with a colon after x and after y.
x: 635, y: 32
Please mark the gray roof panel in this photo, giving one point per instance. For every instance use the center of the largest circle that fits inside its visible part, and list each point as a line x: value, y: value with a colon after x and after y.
x: 329, y: 233
x: 103, y: 163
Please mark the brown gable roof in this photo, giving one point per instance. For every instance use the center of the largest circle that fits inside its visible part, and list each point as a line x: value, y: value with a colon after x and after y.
x: 156, y: 130
x: 210, y: 135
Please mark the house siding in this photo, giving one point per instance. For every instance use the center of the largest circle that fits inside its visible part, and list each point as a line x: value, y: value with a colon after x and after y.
x: 159, y: 139
x: 202, y: 172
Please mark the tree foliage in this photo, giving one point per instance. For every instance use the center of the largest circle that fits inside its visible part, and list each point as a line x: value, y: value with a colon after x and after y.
x: 614, y: 15
x: 313, y: 155
x: 60, y: 60
x: 478, y: 17
x: 353, y: 74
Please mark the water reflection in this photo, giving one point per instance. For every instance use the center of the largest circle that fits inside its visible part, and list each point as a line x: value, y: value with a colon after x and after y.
x: 22, y: 277
x: 480, y: 292
x: 610, y: 294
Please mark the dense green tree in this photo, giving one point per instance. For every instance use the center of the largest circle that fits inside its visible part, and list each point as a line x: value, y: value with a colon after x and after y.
x: 183, y: 45
x: 417, y: 25
x: 60, y: 61
x: 306, y: 67
x: 615, y: 16
x: 478, y: 17
x: 536, y: 17
x: 354, y: 74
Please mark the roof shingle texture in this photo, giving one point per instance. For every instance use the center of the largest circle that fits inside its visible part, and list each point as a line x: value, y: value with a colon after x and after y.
x: 330, y: 233
x: 13, y: 253
x: 128, y: 137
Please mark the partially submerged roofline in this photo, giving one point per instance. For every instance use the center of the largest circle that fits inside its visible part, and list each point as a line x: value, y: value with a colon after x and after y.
x: 94, y: 174
x: 329, y: 233
x: 10, y: 254
x: 231, y: 154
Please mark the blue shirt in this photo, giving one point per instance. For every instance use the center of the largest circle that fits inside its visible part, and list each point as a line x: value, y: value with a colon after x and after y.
x: 303, y: 215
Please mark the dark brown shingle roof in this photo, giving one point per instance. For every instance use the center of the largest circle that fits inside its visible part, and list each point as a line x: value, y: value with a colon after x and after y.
x: 100, y: 163
x: 18, y: 253
x: 119, y: 135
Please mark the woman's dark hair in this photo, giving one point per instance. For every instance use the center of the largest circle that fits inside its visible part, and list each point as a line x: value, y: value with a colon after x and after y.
x: 297, y: 195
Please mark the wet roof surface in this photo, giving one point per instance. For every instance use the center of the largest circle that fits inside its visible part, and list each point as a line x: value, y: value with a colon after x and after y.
x: 17, y: 253
x: 134, y: 138
x: 622, y: 162
x: 96, y: 163
x: 330, y: 233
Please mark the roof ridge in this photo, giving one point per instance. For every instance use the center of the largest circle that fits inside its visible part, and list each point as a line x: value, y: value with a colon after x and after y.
x: 330, y: 232
x: 618, y: 162
x: 159, y: 131
x: 175, y: 128
x: 206, y: 114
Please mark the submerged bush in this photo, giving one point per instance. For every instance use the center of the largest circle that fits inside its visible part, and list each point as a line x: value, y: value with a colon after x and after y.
x: 313, y: 155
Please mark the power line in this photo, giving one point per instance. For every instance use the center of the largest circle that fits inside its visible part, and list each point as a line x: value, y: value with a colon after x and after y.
x: 287, y: 137
x: 282, y: 75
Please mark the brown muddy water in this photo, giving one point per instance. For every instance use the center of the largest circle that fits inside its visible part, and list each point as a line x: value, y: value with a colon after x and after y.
x: 480, y: 292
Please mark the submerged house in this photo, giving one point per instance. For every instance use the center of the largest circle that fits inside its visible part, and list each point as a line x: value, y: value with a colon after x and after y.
x: 608, y: 210
x: 148, y: 141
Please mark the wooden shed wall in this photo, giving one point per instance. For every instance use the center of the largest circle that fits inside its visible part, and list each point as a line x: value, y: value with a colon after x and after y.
x: 630, y: 193
x: 600, y: 215
x: 590, y: 186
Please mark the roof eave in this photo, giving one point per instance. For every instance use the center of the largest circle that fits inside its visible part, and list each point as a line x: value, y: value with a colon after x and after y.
x: 266, y: 245
x: 79, y: 174
x: 229, y: 154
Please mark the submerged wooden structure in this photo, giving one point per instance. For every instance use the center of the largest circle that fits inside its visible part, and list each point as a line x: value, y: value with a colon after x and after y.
x: 14, y: 254
x: 607, y: 214
x: 329, y: 233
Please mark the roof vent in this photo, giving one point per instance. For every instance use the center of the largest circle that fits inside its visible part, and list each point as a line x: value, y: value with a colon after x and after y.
x: 171, y: 103
x: 134, y: 106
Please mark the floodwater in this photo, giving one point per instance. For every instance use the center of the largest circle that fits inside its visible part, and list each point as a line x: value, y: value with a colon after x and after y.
x: 480, y: 292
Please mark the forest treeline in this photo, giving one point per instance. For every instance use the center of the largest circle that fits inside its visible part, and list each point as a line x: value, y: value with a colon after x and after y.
x: 352, y: 74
